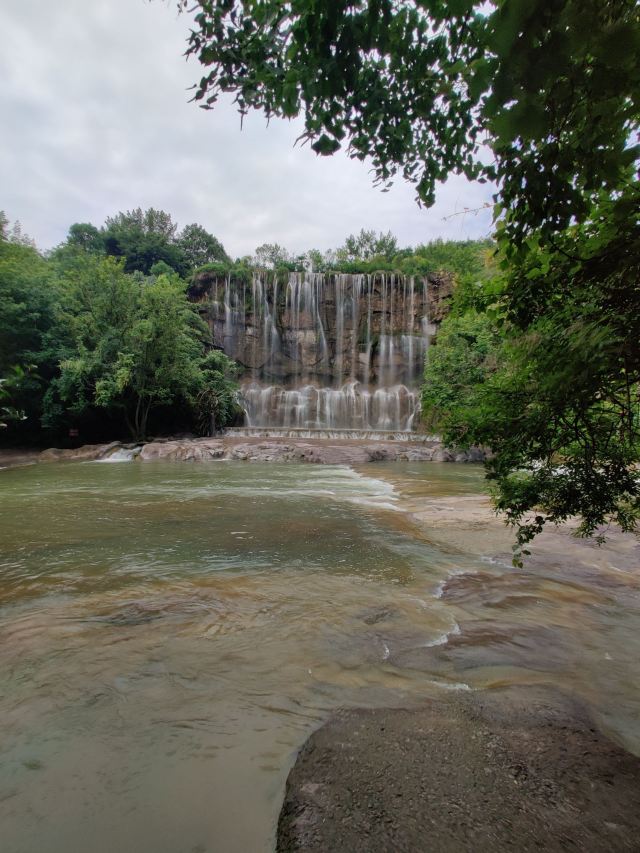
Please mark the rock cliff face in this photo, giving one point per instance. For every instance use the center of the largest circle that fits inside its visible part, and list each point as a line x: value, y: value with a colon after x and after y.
x: 333, y: 351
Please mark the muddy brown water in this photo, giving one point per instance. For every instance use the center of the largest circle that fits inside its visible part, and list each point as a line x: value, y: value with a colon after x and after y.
x: 171, y: 633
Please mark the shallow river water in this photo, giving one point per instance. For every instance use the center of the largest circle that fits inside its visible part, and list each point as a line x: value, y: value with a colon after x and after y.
x: 171, y: 633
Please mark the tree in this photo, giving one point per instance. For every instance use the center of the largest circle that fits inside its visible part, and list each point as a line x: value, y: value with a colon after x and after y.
x: 217, y: 398
x: 367, y: 245
x: 200, y: 248
x: 320, y: 261
x: 10, y: 387
x: 271, y: 255
x: 143, y: 238
x: 84, y: 235
x: 551, y: 88
x: 13, y: 233
x: 158, y: 363
x: 150, y: 221
x: 127, y: 344
x: 416, y: 86
x: 562, y: 413
x: 27, y: 296
x: 464, y: 357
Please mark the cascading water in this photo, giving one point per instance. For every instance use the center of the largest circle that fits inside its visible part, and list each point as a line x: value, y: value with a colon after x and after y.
x: 335, y: 351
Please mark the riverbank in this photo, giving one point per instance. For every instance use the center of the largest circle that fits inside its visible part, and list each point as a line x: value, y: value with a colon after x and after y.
x: 328, y: 451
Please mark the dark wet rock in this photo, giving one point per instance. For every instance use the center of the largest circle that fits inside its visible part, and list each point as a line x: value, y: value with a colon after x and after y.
x: 487, y: 644
x: 373, y: 615
x: 501, y: 591
x: 521, y: 770
x: 128, y: 618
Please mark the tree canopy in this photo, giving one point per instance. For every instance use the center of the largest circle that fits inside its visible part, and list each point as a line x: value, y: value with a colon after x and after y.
x: 551, y: 86
x: 86, y: 344
x: 144, y: 238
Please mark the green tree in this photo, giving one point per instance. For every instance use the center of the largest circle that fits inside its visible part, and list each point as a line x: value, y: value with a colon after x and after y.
x: 271, y: 255
x: 27, y: 296
x: 217, y: 398
x: 84, y: 235
x: 562, y: 413
x: 142, y: 238
x: 321, y: 261
x: 129, y: 344
x: 200, y: 248
x: 10, y: 388
x: 464, y: 356
x: 367, y: 245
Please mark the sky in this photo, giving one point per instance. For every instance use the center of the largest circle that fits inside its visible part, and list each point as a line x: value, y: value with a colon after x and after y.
x: 94, y: 99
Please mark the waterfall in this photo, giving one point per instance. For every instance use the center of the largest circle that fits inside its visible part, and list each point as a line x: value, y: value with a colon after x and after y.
x: 335, y: 351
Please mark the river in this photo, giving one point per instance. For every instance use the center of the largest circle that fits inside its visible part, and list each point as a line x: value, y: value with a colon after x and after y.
x: 171, y: 633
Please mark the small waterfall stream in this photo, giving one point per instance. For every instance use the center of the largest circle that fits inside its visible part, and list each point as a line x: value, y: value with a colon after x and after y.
x: 325, y: 351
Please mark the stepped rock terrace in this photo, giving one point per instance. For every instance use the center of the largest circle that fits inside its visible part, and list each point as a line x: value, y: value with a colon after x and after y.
x: 326, y: 351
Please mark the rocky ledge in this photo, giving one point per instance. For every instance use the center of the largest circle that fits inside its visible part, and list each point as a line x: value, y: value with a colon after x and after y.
x: 322, y: 451
x: 518, y: 770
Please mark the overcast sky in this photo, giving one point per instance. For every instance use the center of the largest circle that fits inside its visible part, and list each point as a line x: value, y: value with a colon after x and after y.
x: 96, y: 118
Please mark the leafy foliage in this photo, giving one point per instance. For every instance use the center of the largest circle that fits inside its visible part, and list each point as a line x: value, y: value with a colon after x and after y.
x: 271, y: 256
x: 415, y: 86
x: 199, y: 247
x: 367, y: 245
x: 131, y: 345
x: 352, y: 69
x: 145, y: 238
x: 84, y: 343
x: 27, y: 296
x: 142, y: 239
x: 464, y: 357
x: 217, y: 399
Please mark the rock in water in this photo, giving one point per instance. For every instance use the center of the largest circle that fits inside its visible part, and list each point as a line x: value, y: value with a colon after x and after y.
x: 517, y: 770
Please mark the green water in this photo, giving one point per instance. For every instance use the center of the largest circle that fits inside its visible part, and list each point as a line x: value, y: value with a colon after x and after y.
x: 170, y: 634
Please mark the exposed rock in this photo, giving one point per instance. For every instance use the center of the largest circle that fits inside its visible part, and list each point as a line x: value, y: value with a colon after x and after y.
x: 441, y: 286
x: 388, y: 303
x: 87, y: 452
x: 312, y: 450
x: 193, y: 450
x: 513, y: 770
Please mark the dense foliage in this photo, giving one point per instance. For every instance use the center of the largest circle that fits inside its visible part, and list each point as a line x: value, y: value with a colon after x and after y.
x: 84, y: 344
x: 552, y: 90
x: 544, y: 368
x: 144, y: 238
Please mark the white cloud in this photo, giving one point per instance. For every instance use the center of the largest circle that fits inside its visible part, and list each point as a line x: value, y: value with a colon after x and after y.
x: 96, y: 119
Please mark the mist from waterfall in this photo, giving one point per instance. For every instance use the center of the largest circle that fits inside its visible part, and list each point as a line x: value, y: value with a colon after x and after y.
x: 325, y: 351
